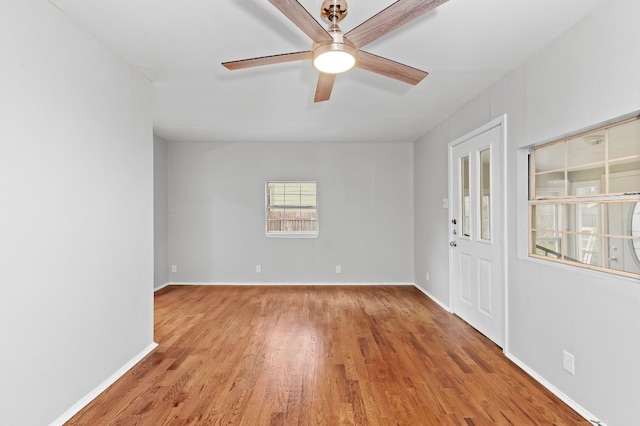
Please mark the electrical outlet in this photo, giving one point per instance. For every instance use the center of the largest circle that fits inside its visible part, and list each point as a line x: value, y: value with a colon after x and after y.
x: 428, y: 277
x: 338, y: 269
x: 174, y: 269
x: 568, y: 362
x: 258, y: 269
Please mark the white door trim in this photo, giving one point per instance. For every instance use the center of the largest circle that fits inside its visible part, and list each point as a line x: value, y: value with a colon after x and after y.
x: 502, y: 122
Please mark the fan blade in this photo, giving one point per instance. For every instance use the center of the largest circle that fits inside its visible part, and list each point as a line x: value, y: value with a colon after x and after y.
x: 388, y: 68
x: 302, y: 18
x: 267, y: 60
x: 324, y: 87
x: 387, y: 20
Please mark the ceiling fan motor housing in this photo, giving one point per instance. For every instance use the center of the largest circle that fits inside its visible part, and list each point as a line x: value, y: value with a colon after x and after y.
x: 334, y: 10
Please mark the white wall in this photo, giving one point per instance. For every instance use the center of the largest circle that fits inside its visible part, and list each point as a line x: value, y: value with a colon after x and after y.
x: 160, y: 213
x: 216, y: 212
x: 587, y: 76
x: 76, y: 213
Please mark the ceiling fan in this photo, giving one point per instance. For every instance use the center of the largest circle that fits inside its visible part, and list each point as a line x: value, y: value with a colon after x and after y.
x: 333, y: 52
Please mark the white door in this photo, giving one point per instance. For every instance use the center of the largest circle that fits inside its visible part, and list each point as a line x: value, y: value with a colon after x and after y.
x: 476, y: 228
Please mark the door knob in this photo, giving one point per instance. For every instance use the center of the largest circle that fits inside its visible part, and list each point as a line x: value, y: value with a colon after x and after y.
x: 454, y: 221
x: 453, y: 244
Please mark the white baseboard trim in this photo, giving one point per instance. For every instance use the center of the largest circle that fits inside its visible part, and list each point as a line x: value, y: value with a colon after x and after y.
x: 161, y: 286
x: 287, y: 284
x: 75, y: 408
x: 557, y: 392
x: 430, y: 296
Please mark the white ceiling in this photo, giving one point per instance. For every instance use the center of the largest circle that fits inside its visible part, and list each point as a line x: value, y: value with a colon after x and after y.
x: 465, y: 45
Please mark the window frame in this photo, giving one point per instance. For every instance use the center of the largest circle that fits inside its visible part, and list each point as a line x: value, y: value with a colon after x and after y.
x: 290, y: 234
x: 604, y: 199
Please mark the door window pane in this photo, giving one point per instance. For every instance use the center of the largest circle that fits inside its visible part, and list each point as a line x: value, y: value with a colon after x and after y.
x: 466, y: 206
x: 485, y: 194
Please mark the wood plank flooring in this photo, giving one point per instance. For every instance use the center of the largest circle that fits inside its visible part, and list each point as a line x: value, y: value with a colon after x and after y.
x: 319, y: 355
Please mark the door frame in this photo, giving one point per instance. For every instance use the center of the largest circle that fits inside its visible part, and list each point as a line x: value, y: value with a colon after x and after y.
x: 502, y: 122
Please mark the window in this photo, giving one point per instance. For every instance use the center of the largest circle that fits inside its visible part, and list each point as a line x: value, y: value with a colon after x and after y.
x: 585, y: 198
x: 292, y: 209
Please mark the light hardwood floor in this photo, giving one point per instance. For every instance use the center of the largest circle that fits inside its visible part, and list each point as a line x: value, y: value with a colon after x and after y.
x: 319, y: 355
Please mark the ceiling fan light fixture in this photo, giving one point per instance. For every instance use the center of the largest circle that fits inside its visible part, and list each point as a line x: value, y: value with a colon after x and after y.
x: 334, y: 58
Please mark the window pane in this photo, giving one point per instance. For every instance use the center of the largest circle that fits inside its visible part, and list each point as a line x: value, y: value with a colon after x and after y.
x: 585, y: 221
x: 586, y: 149
x: 622, y: 222
x: 581, y: 218
x: 589, y: 249
x: 292, y: 194
x: 550, y: 185
x: 586, y: 181
x: 624, y: 177
x: 485, y: 190
x: 587, y: 217
x: 635, y: 231
x: 550, y: 157
x: 622, y: 255
x: 308, y: 194
x: 465, y: 198
x: 275, y: 219
x: 271, y: 193
x: 547, y: 244
x: 624, y: 140
x: 621, y: 219
x: 546, y: 217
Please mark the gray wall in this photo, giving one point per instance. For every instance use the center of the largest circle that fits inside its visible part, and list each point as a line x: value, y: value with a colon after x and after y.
x: 587, y: 76
x: 160, y: 213
x: 76, y: 233
x: 216, y: 213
